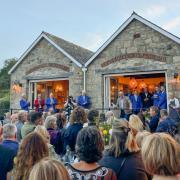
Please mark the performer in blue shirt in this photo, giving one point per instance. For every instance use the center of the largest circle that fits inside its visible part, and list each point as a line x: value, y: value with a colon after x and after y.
x: 155, y: 97
x: 136, y: 102
x: 83, y: 100
x: 24, y: 103
x: 51, y: 102
x: 162, y: 99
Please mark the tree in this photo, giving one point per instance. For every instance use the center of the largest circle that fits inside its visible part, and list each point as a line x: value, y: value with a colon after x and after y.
x: 4, y: 76
x: 5, y: 85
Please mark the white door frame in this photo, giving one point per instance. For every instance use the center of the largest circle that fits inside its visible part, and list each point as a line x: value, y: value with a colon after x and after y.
x: 133, y: 73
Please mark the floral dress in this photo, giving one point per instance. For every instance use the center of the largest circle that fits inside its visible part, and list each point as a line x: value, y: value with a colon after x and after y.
x: 100, y: 173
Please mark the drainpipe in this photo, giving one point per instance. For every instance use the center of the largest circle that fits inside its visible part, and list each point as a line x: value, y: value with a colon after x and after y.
x: 84, y: 69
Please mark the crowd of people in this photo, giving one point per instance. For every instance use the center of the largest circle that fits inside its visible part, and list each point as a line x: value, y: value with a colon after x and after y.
x: 39, y: 145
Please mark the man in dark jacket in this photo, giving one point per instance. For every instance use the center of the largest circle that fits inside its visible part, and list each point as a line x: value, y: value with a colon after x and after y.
x: 6, y: 161
x: 154, y: 113
x: 146, y: 99
x: 9, y: 137
x: 166, y: 124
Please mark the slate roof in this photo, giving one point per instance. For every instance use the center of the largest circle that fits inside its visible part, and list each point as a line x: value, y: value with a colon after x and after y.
x: 77, y: 52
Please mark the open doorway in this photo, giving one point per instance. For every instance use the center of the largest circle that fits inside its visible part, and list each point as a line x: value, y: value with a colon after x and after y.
x: 128, y: 82
x: 60, y: 89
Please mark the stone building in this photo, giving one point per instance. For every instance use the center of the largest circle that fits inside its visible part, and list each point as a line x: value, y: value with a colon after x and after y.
x: 139, y: 53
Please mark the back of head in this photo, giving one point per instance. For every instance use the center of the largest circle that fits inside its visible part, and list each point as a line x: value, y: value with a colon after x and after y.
x: 135, y: 122
x: 163, y: 113
x: 22, y: 115
x: 89, y: 144
x: 93, y: 116
x: 78, y: 116
x: 34, y: 117
x: 43, y: 132
x: 155, y: 109
x: 49, y: 169
x: 122, y: 139
x: 140, y: 137
x: 32, y: 149
x: 49, y: 121
x: 61, y: 120
x: 9, y: 131
x: 161, y: 154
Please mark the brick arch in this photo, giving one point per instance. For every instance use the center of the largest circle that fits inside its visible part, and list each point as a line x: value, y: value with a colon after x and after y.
x: 134, y: 55
x: 44, y: 65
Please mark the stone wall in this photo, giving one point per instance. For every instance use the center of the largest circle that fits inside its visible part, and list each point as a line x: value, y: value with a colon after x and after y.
x: 149, y: 42
x: 43, y: 62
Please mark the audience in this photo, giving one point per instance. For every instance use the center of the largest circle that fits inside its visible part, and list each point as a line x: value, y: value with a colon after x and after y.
x: 35, y: 118
x: 32, y: 149
x: 7, y: 118
x: 6, y: 161
x: 140, y: 136
x: 55, y: 135
x: 92, y: 118
x: 1, y: 129
x: 14, y: 118
x: 61, y: 121
x: 89, y: 148
x: 154, y: 113
x: 44, y: 133
x: 30, y: 143
x: 109, y: 117
x: 123, y: 154
x: 136, y: 123
x: 9, y: 137
x: 166, y: 124
x: 161, y: 156
x: 22, y: 118
x: 77, y: 119
x: 48, y: 169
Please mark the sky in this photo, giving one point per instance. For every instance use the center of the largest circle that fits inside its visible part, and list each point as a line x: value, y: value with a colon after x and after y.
x: 88, y: 23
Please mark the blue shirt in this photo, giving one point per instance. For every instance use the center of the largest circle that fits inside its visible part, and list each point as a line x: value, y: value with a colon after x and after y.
x: 168, y: 126
x: 84, y: 101
x: 24, y: 104
x: 162, y: 100
x: 154, y: 123
x: 51, y: 102
x: 13, y: 145
x: 155, y: 99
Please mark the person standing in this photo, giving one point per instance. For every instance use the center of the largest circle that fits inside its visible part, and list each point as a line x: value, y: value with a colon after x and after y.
x: 154, y: 113
x: 51, y: 102
x: 24, y: 103
x: 22, y: 118
x: 136, y: 102
x: 124, y: 105
x: 39, y: 104
x: 35, y: 118
x: 155, y: 96
x: 162, y: 99
x: 83, y: 100
x: 9, y: 137
x: 166, y: 124
x: 174, y: 108
x: 146, y: 99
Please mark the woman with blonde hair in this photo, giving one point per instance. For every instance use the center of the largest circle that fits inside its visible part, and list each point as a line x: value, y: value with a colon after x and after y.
x: 44, y: 133
x: 161, y: 156
x: 48, y: 169
x: 136, y: 123
x: 123, y: 154
x: 140, y: 137
x: 32, y: 149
